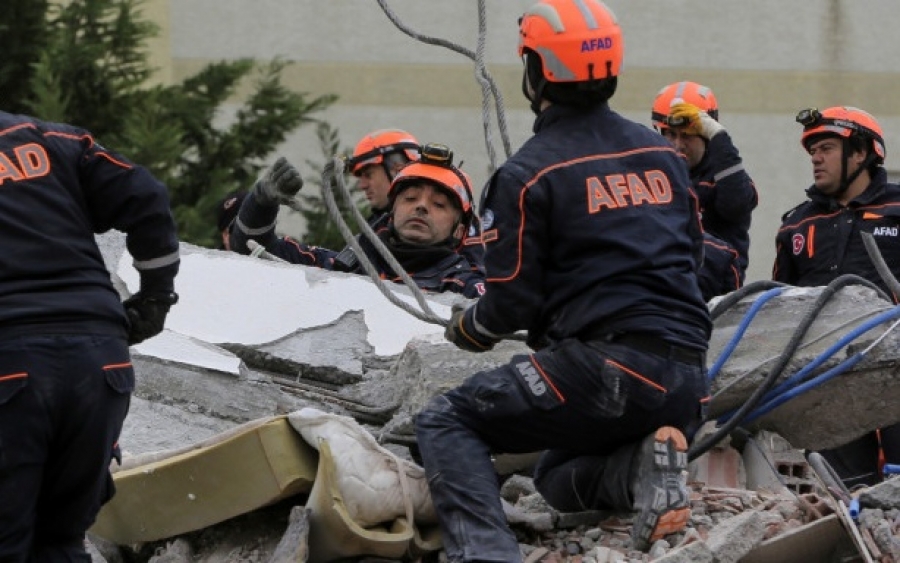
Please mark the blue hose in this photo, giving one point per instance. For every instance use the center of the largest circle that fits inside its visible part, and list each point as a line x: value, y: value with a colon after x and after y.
x: 803, y: 387
x: 833, y: 349
x: 787, y: 390
x: 742, y: 328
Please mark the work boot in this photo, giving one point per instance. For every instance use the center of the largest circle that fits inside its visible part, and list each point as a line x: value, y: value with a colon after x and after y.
x: 659, y: 487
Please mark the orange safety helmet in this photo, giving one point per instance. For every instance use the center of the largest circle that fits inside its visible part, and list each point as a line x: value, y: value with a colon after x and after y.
x: 436, y: 167
x: 842, y: 121
x: 372, y: 148
x: 577, y: 41
x: 688, y: 92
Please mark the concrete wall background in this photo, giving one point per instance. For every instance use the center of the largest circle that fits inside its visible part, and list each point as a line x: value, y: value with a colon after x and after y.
x: 764, y: 59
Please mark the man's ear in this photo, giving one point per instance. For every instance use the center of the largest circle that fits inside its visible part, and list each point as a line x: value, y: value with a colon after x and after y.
x: 858, y: 157
x: 460, y: 232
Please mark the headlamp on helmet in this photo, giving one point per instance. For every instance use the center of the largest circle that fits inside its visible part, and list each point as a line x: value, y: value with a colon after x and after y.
x: 692, y: 93
x: 436, y: 167
x: 374, y: 147
x: 842, y: 121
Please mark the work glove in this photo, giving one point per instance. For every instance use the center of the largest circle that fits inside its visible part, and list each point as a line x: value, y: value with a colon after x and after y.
x: 694, y: 120
x: 279, y: 184
x: 461, y: 331
x: 146, y: 314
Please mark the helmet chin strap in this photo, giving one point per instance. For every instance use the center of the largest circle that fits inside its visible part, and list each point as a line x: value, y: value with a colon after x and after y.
x: 536, y: 89
x: 845, y: 157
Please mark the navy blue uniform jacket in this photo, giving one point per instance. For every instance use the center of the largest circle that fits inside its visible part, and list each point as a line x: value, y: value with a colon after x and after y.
x: 450, y: 271
x: 727, y: 196
x: 590, y: 225
x: 819, y: 240
x: 58, y: 188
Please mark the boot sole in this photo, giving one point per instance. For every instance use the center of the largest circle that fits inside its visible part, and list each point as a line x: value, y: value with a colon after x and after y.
x: 668, y: 513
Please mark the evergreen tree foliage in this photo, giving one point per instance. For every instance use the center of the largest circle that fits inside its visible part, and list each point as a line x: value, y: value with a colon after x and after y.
x: 89, y: 67
x: 22, y: 38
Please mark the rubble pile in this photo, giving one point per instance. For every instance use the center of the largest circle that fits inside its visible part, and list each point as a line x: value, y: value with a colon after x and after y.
x: 727, y: 525
x: 251, y: 339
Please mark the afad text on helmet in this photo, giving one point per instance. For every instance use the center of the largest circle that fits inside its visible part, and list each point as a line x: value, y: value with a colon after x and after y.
x: 596, y: 44
x: 623, y: 190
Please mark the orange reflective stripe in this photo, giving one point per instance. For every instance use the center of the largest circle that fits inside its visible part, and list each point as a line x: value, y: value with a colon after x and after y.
x: 116, y: 366
x: 810, y: 239
x: 638, y: 376
x: 541, y: 371
x: 21, y: 375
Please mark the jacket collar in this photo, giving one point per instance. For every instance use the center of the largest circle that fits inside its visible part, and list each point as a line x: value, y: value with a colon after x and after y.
x: 557, y: 112
x: 873, y: 191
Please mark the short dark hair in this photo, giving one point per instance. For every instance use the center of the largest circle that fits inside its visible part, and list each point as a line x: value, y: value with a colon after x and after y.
x: 583, y: 94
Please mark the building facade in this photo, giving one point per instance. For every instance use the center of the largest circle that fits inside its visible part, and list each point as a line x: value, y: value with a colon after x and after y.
x: 765, y: 60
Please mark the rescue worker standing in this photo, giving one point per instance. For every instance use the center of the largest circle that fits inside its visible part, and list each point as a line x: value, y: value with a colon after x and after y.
x: 431, y: 211
x: 65, y: 372
x: 820, y: 239
x: 592, y: 241
x: 687, y: 114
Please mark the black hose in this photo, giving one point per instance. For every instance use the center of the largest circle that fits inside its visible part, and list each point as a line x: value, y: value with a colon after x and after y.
x: 734, y: 297
x: 699, y: 448
x: 881, y: 266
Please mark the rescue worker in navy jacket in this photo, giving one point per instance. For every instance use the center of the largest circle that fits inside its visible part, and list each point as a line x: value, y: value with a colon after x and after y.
x: 592, y: 241
x: 819, y: 240
x: 65, y: 372
x: 431, y: 211
x: 376, y: 159
x: 687, y: 114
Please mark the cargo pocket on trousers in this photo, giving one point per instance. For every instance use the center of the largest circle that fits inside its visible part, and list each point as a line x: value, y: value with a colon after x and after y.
x: 612, y: 393
x: 11, y: 384
x: 638, y: 389
x: 120, y: 377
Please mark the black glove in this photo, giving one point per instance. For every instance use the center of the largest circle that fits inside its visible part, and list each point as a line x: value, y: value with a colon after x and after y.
x: 461, y: 331
x: 279, y: 184
x: 147, y: 314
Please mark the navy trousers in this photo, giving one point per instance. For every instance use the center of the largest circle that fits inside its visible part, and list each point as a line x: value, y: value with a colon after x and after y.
x: 63, y: 399
x: 856, y: 462
x: 587, y: 403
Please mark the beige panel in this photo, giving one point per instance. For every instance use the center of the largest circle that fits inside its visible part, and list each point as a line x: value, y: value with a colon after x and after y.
x: 159, y: 48
x: 452, y: 86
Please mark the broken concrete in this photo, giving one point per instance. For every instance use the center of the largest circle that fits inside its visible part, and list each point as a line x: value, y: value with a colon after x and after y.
x: 251, y: 339
x: 734, y: 538
x: 850, y: 404
x: 885, y: 496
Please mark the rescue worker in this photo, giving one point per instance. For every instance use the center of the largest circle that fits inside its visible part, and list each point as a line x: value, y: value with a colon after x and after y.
x: 228, y: 210
x: 376, y: 159
x: 65, y: 371
x: 431, y: 211
x: 820, y: 240
x: 687, y: 114
x: 592, y: 241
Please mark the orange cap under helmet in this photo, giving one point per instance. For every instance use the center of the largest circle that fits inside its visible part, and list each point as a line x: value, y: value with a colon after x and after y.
x: 577, y: 40
x: 436, y: 166
x: 842, y: 121
x: 372, y: 148
x: 688, y: 92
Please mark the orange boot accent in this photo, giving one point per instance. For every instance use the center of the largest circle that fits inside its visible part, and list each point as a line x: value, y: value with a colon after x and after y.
x: 659, y: 487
